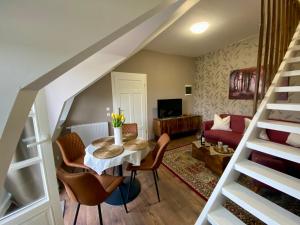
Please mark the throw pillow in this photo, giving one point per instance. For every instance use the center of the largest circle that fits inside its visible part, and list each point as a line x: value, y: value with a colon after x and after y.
x: 247, y: 122
x: 263, y: 135
x: 221, y: 124
x: 293, y: 140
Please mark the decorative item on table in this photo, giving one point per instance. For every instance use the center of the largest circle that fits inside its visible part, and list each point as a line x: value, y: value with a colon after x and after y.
x: 198, y: 135
x: 225, y: 148
x: 202, y: 140
x: 220, y: 144
x: 108, y: 151
x: 103, y: 141
x: 136, y: 144
x: 207, y: 144
x: 117, y: 122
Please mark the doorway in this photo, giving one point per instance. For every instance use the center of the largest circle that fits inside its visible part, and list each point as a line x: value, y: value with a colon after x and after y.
x: 129, y: 92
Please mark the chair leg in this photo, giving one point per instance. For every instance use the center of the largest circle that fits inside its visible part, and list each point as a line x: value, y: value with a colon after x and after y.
x: 113, y: 172
x: 76, y: 215
x: 129, y: 186
x: 154, y: 176
x: 156, y: 172
x: 123, y: 200
x: 64, y: 210
x: 100, y: 214
x: 134, y: 174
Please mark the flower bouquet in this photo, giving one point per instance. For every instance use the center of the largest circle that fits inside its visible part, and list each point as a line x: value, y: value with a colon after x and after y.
x: 117, y: 122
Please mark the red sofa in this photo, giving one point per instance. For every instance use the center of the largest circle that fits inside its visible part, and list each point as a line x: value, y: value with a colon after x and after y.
x: 231, y: 138
x: 273, y: 162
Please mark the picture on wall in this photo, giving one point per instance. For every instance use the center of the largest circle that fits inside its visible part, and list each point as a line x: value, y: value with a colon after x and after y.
x: 242, y: 83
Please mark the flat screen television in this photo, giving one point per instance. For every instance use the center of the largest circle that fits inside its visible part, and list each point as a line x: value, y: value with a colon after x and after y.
x: 169, y: 107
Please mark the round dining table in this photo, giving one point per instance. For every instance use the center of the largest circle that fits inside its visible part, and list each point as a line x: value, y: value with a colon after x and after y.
x: 100, y: 165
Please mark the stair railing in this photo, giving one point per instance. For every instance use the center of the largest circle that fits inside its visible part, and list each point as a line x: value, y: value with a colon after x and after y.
x: 279, y: 19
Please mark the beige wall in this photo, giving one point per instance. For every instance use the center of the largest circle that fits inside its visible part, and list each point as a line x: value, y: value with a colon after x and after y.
x: 166, y: 77
x: 90, y: 105
x: 212, y: 79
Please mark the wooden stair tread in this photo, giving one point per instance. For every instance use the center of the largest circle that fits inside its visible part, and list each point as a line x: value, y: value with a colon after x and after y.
x: 263, y: 209
x: 275, y: 149
x: 291, y: 73
x: 295, y: 48
x: 222, y: 216
x: 280, y: 181
x: 288, y: 89
x: 292, y: 60
x: 284, y: 106
x: 280, y: 126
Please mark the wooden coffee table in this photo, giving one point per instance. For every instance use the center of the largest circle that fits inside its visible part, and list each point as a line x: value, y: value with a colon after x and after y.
x: 215, y: 161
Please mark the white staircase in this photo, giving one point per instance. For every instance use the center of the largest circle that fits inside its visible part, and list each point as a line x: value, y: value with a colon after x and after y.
x: 227, y: 187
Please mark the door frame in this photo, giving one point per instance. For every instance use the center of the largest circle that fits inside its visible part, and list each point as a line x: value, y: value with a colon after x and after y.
x: 139, y: 76
x: 47, y: 208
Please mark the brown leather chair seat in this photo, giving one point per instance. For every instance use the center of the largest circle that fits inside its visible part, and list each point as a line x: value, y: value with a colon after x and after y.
x: 151, y: 162
x: 146, y: 163
x: 89, y: 188
x: 110, y: 183
x: 72, y: 150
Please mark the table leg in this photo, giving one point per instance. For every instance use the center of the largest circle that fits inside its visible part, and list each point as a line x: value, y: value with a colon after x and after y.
x: 120, y: 171
x: 116, y: 199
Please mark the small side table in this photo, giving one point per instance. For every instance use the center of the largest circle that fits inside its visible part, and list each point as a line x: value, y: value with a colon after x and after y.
x: 215, y: 162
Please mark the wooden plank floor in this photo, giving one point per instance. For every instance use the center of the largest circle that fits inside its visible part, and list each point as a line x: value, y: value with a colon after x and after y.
x: 179, y: 205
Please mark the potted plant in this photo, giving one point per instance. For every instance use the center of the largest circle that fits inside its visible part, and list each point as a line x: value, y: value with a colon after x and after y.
x: 117, y: 122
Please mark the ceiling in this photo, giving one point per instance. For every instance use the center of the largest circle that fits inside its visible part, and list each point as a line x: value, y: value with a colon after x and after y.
x: 230, y: 21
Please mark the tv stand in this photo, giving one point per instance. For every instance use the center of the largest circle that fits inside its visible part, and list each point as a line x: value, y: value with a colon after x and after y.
x: 176, y: 125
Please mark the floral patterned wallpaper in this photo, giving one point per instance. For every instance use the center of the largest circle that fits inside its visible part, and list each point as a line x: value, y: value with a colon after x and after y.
x: 212, y: 79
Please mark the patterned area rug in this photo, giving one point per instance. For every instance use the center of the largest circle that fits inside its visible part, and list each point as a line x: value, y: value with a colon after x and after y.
x: 200, y: 179
x: 191, y: 171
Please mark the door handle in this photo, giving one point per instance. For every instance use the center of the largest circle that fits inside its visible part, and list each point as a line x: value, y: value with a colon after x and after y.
x: 120, y: 110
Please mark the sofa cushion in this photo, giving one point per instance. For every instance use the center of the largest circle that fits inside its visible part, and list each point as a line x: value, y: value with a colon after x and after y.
x: 237, y: 123
x: 221, y: 123
x: 277, y: 136
x: 227, y: 137
x: 293, y: 140
x: 263, y: 135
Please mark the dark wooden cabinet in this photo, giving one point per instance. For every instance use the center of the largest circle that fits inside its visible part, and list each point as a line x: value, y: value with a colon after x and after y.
x: 177, y: 125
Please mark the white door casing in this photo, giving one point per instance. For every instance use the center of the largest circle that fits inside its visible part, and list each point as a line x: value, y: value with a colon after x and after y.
x: 129, y: 92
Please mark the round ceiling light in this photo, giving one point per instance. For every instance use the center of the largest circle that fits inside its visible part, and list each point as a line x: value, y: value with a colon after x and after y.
x: 198, y: 28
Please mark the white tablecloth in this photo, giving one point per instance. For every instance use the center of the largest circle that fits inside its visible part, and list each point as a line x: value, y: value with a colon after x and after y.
x: 99, y: 165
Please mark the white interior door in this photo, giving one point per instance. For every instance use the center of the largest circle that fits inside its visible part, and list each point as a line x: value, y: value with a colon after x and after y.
x: 130, y: 96
x: 30, y: 194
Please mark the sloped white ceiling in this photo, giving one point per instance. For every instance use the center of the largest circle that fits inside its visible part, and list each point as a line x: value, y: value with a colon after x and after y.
x: 93, y: 68
x: 230, y: 21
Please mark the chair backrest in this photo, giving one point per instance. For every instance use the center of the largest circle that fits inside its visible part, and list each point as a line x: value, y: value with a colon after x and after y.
x: 83, y: 188
x: 159, y: 150
x: 130, y: 128
x: 71, y: 147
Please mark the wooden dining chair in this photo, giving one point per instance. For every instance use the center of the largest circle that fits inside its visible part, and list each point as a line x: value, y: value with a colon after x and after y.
x: 89, y: 189
x: 72, y: 150
x: 151, y: 162
x: 130, y: 128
